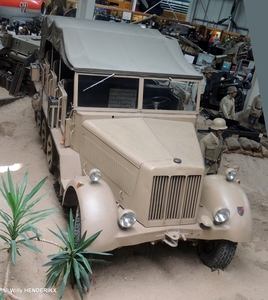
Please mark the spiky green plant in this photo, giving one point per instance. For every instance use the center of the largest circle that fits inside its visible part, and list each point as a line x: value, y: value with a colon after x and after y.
x: 19, y: 224
x: 73, y: 261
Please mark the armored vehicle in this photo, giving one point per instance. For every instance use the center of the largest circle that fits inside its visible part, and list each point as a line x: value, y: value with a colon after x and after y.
x: 112, y: 108
x: 17, y: 52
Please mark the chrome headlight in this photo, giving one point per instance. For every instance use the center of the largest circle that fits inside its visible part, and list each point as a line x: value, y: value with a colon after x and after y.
x: 230, y: 174
x: 127, y: 218
x: 94, y: 175
x: 221, y: 215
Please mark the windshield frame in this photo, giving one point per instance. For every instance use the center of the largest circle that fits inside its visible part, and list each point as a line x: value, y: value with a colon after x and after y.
x: 141, y: 83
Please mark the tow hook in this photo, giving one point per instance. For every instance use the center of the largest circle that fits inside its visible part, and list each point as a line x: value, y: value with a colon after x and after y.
x: 172, y: 238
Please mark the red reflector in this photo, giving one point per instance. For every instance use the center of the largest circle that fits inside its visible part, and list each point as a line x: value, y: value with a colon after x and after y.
x: 79, y: 184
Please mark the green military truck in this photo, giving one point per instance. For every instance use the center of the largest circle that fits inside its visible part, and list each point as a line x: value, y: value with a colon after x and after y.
x: 113, y: 108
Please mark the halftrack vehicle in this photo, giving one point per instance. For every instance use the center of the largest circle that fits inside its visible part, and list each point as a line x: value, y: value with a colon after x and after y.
x: 112, y: 109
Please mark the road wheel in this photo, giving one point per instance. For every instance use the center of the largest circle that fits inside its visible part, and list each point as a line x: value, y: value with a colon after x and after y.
x: 51, y: 154
x: 216, y: 254
x: 38, y: 121
x: 44, y: 131
x: 77, y: 223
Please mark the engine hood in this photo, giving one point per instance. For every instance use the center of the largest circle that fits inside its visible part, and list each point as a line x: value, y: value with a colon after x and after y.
x: 142, y: 140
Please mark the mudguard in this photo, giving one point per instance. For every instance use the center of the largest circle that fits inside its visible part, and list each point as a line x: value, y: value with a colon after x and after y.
x: 98, y: 209
x: 218, y: 193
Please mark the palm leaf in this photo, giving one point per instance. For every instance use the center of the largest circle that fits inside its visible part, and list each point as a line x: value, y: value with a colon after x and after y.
x: 80, y: 288
x: 33, y: 213
x: 71, y: 261
x: 30, y: 245
x: 62, y: 238
x: 10, y: 183
x: 4, y: 191
x: 89, y: 241
x: 85, y: 276
x: 85, y: 262
x: 56, y: 261
x: 85, y: 252
x: 40, y: 215
x: 5, y: 216
x: 34, y: 191
x: 98, y: 261
x: 23, y: 185
x: 15, y: 223
x: 8, y: 233
x: 56, y: 269
x: 54, y: 272
x: 31, y: 204
x: 64, y: 281
x: 70, y: 229
x: 61, y: 254
x: 5, y: 239
x: 13, y: 251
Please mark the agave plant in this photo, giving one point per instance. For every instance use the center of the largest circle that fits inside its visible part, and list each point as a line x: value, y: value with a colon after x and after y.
x: 19, y: 224
x: 73, y: 261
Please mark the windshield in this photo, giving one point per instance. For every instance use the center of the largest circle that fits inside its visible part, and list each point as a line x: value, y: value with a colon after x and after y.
x: 123, y: 93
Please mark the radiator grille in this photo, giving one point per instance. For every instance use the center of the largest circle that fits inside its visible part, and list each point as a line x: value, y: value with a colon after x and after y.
x: 174, y: 198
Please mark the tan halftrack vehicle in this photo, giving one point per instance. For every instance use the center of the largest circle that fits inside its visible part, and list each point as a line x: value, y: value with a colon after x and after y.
x: 114, y: 113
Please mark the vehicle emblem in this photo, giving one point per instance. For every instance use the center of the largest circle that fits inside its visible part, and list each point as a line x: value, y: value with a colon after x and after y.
x: 240, y: 210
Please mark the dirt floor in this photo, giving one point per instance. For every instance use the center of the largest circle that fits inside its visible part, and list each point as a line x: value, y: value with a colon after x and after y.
x: 141, y: 272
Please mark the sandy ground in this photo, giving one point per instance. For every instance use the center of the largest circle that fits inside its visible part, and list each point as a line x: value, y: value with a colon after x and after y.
x: 141, y: 272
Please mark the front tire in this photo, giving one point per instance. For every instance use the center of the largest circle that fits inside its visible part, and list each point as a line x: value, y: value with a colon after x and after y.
x: 216, y: 254
x: 77, y: 223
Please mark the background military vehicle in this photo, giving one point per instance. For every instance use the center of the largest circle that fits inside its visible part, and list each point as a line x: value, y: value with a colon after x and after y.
x: 17, y: 53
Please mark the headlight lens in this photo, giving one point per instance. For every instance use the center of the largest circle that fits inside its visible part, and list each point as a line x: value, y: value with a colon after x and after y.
x: 222, y: 215
x: 127, y: 219
x: 230, y: 174
x: 95, y: 175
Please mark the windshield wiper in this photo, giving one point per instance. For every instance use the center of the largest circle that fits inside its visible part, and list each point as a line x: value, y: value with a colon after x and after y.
x: 98, y: 82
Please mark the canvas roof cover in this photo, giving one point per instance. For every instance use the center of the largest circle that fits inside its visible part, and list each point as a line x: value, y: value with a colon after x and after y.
x: 92, y: 46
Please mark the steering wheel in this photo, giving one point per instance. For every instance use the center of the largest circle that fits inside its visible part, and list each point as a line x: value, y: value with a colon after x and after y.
x: 156, y: 102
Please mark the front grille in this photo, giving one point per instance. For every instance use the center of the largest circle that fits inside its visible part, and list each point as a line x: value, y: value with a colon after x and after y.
x: 174, y: 198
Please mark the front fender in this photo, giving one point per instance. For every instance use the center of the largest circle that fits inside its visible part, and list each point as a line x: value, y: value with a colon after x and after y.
x: 219, y: 193
x: 98, y: 209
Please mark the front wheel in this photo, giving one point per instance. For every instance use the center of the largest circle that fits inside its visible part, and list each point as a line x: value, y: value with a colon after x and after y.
x: 216, y: 254
x: 77, y: 223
